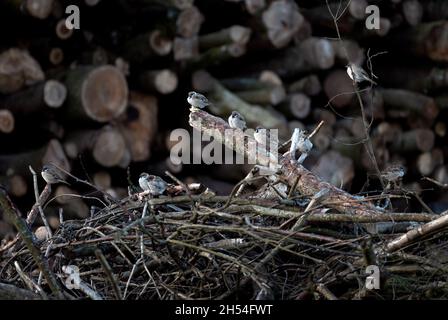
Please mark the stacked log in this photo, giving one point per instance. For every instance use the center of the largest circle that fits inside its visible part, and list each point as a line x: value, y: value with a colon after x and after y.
x: 103, y: 99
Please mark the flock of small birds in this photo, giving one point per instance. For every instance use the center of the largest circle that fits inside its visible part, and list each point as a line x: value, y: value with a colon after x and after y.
x: 300, y: 142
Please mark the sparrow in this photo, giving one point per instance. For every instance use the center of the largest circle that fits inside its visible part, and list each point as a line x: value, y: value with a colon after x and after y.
x: 358, y: 74
x: 300, y: 142
x: 197, y: 100
x: 154, y: 184
x: 236, y: 121
x: 51, y: 175
x: 393, y: 173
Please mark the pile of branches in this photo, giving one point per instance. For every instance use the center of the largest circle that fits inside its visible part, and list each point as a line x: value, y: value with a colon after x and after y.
x: 192, y: 244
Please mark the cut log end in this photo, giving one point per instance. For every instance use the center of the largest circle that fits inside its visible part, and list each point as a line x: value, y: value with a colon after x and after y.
x: 165, y: 81
x: 55, y: 154
x: 56, y: 56
x: 202, y: 81
x: 17, y: 186
x: 40, y: 9
x: 357, y: 9
x: 282, y: 21
x: 62, y: 31
x: 55, y: 93
x: 104, y: 93
x: 300, y: 105
x: 240, y: 34
x: 185, y: 48
x: 254, y: 6
x: 161, y: 44
x: 7, y: 121
x: 189, y: 22
x: 109, y: 148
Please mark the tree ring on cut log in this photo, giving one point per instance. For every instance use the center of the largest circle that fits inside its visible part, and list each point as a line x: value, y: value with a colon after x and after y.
x: 104, y: 93
x: 55, y: 93
x: 109, y: 148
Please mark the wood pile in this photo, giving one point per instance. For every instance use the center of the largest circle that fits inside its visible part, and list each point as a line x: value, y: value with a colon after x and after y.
x: 101, y: 102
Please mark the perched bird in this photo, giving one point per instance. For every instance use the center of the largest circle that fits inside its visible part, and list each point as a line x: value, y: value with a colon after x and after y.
x: 154, y: 184
x: 300, y: 142
x: 393, y: 173
x: 236, y: 121
x: 197, y: 100
x: 52, y: 175
x: 358, y: 74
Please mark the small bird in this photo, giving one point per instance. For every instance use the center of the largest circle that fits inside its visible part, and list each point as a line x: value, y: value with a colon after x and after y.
x: 236, y: 121
x: 300, y: 142
x: 154, y: 184
x: 393, y: 173
x: 51, y: 175
x: 197, y: 100
x: 358, y: 74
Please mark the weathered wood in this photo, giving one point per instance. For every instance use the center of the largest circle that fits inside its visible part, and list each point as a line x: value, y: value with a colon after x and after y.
x: 62, y: 31
x: 36, y: 98
x: 426, y: 39
x: 309, y: 85
x: 16, y: 185
x: 228, y: 102
x: 310, y: 54
x: 254, y: 6
x: 335, y: 169
x: 18, y: 163
x: 282, y: 20
x: 218, y: 55
x: 267, y: 96
x: 162, y: 81
x: 339, y: 89
x: 71, y: 202
x: 428, y: 161
x: 306, y: 182
x: 106, y: 145
x: 297, y: 105
x: 139, y: 126
x: 233, y: 34
x: 18, y: 69
x: 7, y: 121
x: 412, y: 12
x: 414, y: 140
x: 96, y: 93
x: 146, y: 46
x: 185, y: 48
x: 189, y: 22
x: 411, y: 101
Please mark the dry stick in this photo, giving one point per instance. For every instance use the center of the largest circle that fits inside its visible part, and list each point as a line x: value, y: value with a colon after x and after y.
x: 308, y: 184
x: 11, y: 292
x: 12, y: 214
x: 109, y: 273
x: 437, y: 183
x: 418, y: 232
x: 368, y: 141
x: 287, y: 143
x: 29, y: 282
x: 39, y: 206
x: 323, y: 290
x: 31, y: 215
